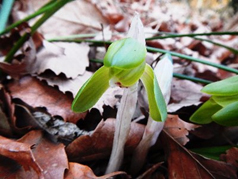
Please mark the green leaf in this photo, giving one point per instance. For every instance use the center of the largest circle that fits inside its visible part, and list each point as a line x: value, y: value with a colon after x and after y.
x: 225, y: 100
x: 124, y: 54
x: 126, y: 78
x: 157, y: 105
x: 227, y: 87
x: 204, y: 114
x: 92, y: 90
x: 228, y: 115
x: 212, y: 152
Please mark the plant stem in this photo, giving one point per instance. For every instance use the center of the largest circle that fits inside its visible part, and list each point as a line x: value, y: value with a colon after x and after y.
x: 23, y: 39
x: 152, y: 49
x: 199, y: 80
x: 75, y: 36
x: 218, y: 44
x: 172, y: 35
x: 122, y: 128
x: 194, y: 36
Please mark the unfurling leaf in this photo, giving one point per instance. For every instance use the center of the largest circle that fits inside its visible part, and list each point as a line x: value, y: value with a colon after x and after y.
x: 92, y: 90
x: 227, y: 116
x: 157, y: 105
x: 204, y: 114
x: 125, y: 54
x: 227, y: 87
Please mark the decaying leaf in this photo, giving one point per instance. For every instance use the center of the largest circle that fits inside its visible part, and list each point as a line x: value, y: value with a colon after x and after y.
x: 184, y: 93
x: 231, y: 156
x: 6, y: 113
x: 32, y: 156
x: 45, y: 150
x: 99, y: 144
x: 22, y: 154
x: 77, y: 170
x: 38, y: 94
x: 64, y: 84
x: 74, y: 18
x: 183, y: 164
x: 178, y: 128
x: 70, y: 59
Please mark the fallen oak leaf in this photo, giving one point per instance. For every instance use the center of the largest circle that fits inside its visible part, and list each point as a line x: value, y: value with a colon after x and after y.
x: 70, y: 59
x: 65, y: 84
x: 98, y: 145
x: 21, y: 153
x: 38, y: 94
x: 7, y: 113
x: 219, y: 169
x: 184, y: 93
x: 181, y: 163
x: 77, y: 17
x: 77, y: 170
x: 178, y: 128
x: 184, y: 164
x: 50, y: 156
x: 231, y: 156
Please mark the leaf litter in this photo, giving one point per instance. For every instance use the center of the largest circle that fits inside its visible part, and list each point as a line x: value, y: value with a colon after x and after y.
x: 43, y: 138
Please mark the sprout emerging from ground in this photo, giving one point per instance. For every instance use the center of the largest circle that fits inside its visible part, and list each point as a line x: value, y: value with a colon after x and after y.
x: 124, y: 66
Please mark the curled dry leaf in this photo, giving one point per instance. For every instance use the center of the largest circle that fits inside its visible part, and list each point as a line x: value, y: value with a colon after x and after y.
x: 20, y: 153
x: 6, y: 113
x: 38, y: 94
x: 178, y: 128
x: 183, y: 164
x: 219, y: 169
x: 29, y: 155
x: 45, y: 150
x: 231, y: 156
x: 99, y: 144
x: 77, y: 170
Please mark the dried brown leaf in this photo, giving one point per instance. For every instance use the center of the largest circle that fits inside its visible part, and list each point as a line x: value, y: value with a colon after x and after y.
x: 178, y: 128
x: 184, y: 93
x: 181, y: 163
x: 99, y: 144
x: 38, y: 94
x: 220, y: 170
x: 231, y: 156
x: 45, y: 150
x: 64, y: 84
x: 70, y: 59
x: 22, y: 154
x: 77, y: 170
x: 184, y: 164
x: 76, y: 17
x: 6, y: 113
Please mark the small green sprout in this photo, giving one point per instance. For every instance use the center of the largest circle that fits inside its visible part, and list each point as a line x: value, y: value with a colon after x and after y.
x: 124, y: 65
x: 222, y: 107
